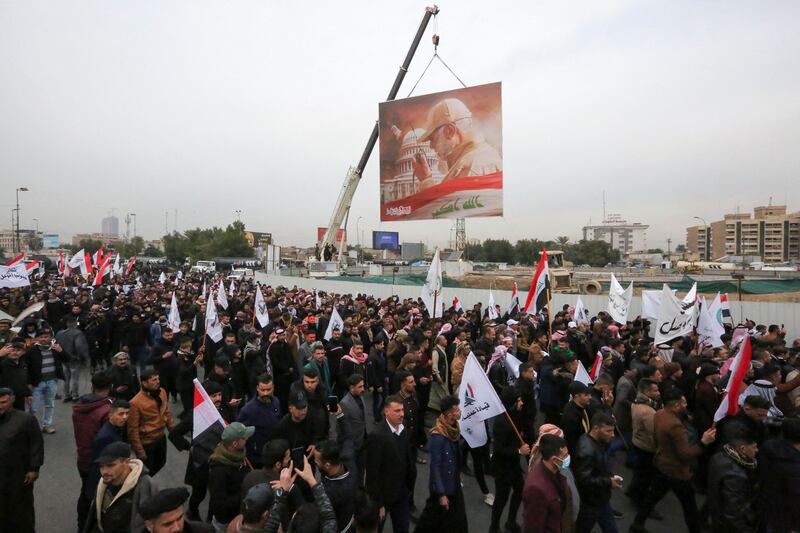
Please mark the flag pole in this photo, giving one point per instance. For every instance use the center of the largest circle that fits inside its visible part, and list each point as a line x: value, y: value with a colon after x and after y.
x: 514, y: 426
x: 549, y: 324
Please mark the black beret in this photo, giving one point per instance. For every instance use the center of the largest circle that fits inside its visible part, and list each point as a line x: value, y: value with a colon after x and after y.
x: 162, y: 502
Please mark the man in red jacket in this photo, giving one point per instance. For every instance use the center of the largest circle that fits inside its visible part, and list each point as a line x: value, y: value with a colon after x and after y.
x: 546, y: 495
x: 88, y: 415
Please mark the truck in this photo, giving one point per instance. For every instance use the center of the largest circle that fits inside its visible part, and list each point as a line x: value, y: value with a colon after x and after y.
x: 204, y: 267
x: 241, y: 274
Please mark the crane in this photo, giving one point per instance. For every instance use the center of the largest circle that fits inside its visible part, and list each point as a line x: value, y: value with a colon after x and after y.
x: 341, y: 210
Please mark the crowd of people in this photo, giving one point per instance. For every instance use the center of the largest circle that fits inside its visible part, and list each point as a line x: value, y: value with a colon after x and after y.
x: 326, y: 427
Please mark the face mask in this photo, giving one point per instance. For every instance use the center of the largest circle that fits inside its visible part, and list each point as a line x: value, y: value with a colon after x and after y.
x: 565, y: 463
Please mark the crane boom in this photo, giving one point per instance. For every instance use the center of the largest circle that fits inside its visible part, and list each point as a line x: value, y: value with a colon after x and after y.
x: 354, y: 174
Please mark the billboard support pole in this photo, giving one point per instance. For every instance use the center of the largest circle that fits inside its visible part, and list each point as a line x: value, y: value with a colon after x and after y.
x: 354, y: 175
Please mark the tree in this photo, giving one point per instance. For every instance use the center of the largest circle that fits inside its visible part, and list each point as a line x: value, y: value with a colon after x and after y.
x: 207, y: 243
x: 474, y: 252
x: 498, y: 250
x: 527, y: 251
x: 681, y: 248
x: 655, y: 251
x: 33, y: 242
x: 594, y: 253
x: 132, y: 248
x: 151, y: 251
x: 562, y: 241
x: 89, y: 246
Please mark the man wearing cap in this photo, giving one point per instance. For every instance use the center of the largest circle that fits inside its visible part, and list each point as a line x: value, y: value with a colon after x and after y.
x: 21, y: 456
x: 451, y: 134
x: 163, y: 513
x: 577, y: 415
x: 148, y: 421
x: 5, y: 331
x: 14, y: 373
x: 44, y: 370
x: 124, y: 382
x: 124, y: 485
x: 318, y: 415
x: 294, y: 427
x: 227, y: 467
x: 256, y: 506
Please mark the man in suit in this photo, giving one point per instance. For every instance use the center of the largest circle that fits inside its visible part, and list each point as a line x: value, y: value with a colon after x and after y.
x: 355, y: 427
x: 391, y: 471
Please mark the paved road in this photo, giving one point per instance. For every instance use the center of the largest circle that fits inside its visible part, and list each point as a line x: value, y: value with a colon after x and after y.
x: 57, y: 488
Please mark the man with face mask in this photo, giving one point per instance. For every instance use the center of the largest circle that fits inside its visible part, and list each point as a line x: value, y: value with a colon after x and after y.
x: 226, y: 470
x: 732, y: 485
x: 674, y: 455
x: 546, y: 494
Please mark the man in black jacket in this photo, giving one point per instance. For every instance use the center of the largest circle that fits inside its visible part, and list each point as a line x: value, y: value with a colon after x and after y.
x: 577, y: 414
x: 45, y: 361
x: 527, y: 391
x: 508, y: 448
x: 165, y: 361
x: 390, y: 467
x: 593, y: 476
x: 21, y: 456
x: 226, y: 471
x: 124, y: 382
x: 14, y: 373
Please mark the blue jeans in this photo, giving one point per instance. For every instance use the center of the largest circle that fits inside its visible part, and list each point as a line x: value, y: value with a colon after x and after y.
x: 72, y: 379
x: 46, y: 390
x: 604, y: 517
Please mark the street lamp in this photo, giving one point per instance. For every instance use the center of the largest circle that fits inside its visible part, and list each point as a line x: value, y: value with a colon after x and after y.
x: 708, y: 237
x: 134, y: 224
x: 358, y: 240
x: 16, y: 240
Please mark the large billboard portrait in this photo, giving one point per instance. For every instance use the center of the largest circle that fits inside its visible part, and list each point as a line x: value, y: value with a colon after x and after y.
x: 442, y: 155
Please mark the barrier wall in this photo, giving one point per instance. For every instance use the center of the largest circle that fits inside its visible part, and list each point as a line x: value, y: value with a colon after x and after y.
x: 761, y: 312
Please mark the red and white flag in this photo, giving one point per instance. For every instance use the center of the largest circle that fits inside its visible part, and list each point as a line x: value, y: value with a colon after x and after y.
x: 597, y: 367
x: 741, y: 364
x: 102, y: 270
x: 97, y: 258
x: 17, y: 259
x: 87, y: 259
x: 32, y: 264
x: 457, y: 305
x: 725, y: 306
x: 537, y: 294
x: 514, y: 305
x: 61, y: 269
x: 131, y: 262
x: 207, y: 425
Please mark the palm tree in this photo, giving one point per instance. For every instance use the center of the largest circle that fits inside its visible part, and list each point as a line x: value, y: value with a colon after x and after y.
x: 563, y: 240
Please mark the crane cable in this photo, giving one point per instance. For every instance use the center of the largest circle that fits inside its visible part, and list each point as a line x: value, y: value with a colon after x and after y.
x: 435, y: 39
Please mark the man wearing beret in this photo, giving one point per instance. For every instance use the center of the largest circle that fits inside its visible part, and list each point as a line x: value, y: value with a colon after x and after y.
x: 163, y: 513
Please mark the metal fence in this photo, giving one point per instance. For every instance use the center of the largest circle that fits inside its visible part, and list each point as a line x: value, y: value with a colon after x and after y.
x: 760, y: 312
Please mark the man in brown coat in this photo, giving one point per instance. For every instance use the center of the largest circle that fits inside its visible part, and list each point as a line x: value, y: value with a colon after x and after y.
x: 674, y: 455
x: 148, y: 421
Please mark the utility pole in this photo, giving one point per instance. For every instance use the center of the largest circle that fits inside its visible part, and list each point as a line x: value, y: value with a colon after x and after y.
x: 669, y: 249
x: 461, y: 234
x: 166, y: 222
x: 16, y: 235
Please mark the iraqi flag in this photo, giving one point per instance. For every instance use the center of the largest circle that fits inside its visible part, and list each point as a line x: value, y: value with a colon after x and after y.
x: 725, y: 306
x: 131, y: 262
x: 16, y: 260
x: 597, y: 367
x: 207, y: 425
x: 457, y: 306
x: 741, y: 364
x: 537, y: 294
x: 61, y: 269
x: 513, y: 307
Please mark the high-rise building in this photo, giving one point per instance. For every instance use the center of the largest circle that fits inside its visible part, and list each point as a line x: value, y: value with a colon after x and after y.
x: 110, y: 226
x: 621, y: 235
x: 770, y: 233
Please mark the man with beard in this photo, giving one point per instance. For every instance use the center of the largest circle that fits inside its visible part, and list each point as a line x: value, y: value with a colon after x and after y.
x: 334, y: 352
x: 148, y: 421
x: 21, y: 456
x: 280, y: 355
x: 186, y: 373
x: 318, y: 416
x: 124, y: 383
x: 115, y: 429
x: 263, y: 413
x: 320, y: 363
x: 138, y: 340
x: 14, y: 373
x: 674, y: 455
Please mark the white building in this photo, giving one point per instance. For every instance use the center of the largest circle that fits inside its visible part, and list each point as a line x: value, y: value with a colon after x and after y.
x: 110, y: 226
x: 404, y: 183
x: 623, y: 236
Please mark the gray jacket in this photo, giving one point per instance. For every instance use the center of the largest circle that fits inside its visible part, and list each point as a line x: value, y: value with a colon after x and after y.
x: 355, y: 421
x: 74, y: 343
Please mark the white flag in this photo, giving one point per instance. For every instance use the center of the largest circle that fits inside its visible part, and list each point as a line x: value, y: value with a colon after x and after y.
x: 715, y: 309
x: 479, y: 402
x: 691, y: 300
x: 174, y: 318
x: 213, y: 325
x: 179, y: 275
x: 117, y: 268
x: 432, y: 290
x: 675, y: 318
x: 162, y: 278
x: 582, y: 375
x: 335, y: 322
x: 492, y: 309
x: 512, y: 364
x: 205, y: 290
x: 619, y: 301
x: 14, y: 276
x: 709, y: 330
x: 232, y: 290
x: 317, y: 301
x: 580, y: 316
x: 261, y: 308
x: 222, y: 298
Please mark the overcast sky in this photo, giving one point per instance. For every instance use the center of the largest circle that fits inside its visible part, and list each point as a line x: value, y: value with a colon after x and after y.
x: 675, y: 109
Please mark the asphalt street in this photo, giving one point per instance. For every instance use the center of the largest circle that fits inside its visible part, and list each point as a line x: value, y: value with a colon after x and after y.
x: 57, y: 489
